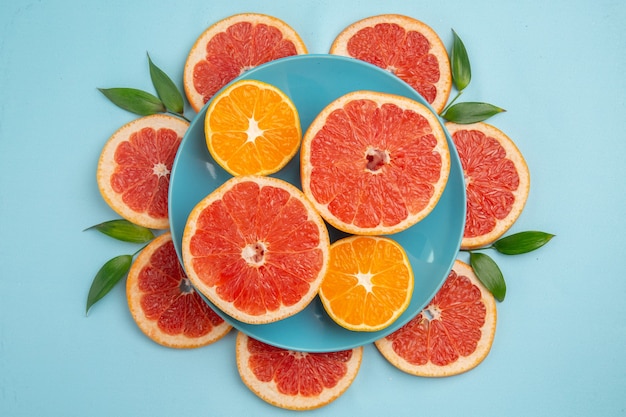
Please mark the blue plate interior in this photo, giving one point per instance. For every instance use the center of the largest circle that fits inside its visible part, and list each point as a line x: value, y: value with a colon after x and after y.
x: 313, y: 81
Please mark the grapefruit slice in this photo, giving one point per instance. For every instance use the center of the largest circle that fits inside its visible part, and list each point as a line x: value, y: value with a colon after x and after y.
x: 497, y: 181
x: 134, y: 168
x: 295, y: 380
x: 451, y: 335
x: 256, y: 248
x: 231, y: 46
x: 374, y: 163
x: 368, y: 284
x: 406, y: 47
x: 164, y: 304
x: 252, y: 127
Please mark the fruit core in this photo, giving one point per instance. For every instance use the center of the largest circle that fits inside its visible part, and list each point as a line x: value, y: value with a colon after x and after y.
x: 185, y: 286
x: 376, y: 159
x: 160, y: 170
x: 254, y: 253
x: 432, y: 313
x: 254, y: 131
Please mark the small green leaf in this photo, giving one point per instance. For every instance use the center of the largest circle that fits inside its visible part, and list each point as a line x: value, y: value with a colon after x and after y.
x: 106, y: 278
x: 522, y: 242
x: 133, y: 100
x: 166, y: 89
x: 470, y: 112
x: 489, y: 274
x: 460, y: 64
x: 124, y: 230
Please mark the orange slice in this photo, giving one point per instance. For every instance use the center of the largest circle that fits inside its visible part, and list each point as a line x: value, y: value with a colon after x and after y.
x: 230, y: 47
x: 295, y: 380
x: 252, y: 128
x: 134, y: 168
x: 164, y: 304
x: 369, y: 283
x: 497, y: 181
x: 256, y: 248
x: 374, y: 163
x: 406, y: 47
x: 451, y: 335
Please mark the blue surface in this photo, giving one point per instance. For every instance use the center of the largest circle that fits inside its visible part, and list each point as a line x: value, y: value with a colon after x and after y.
x: 312, y: 81
x: 557, y: 67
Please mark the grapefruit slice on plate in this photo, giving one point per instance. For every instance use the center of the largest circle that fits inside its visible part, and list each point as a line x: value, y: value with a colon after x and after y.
x: 164, y: 304
x: 451, y: 335
x: 256, y: 248
x: 232, y: 46
x: 406, y: 47
x: 134, y: 168
x: 497, y: 181
x: 374, y: 163
x: 295, y: 380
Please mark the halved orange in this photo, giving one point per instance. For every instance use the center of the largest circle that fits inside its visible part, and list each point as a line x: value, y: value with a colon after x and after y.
x: 404, y: 46
x: 134, y: 168
x: 256, y: 248
x: 230, y: 47
x: 369, y: 282
x: 451, y: 335
x: 164, y: 304
x: 497, y: 181
x: 374, y: 163
x: 252, y: 128
x: 295, y: 380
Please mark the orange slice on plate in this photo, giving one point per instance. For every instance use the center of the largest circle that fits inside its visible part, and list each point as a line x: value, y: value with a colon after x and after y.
x: 497, y: 181
x: 134, y: 168
x: 451, y: 335
x: 374, y: 163
x: 252, y: 128
x: 295, y: 380
x: 404, y: 46
x: 369, y: 283
x: 232, y: 46
x: 256, y: 248
x: 164, y: 304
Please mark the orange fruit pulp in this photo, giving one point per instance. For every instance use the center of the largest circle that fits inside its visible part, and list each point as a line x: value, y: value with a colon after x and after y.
x: 256, y: 248
x: 252, y: 128
x: 369, y: 282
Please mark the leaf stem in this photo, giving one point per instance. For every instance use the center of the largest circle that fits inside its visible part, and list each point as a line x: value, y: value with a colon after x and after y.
x: 458, y: 94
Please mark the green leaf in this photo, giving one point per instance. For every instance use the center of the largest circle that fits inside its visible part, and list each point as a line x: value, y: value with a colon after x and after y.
x: 522, y: 242
x: 124, y: 230
x: 489, y: 274
x: 460, y: 64
x: 133, y: 100
x: 470, y: 112
x: 166, y: 89
x: 106, y: 278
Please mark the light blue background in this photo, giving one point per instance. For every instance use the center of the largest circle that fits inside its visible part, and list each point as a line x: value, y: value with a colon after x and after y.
x: 557, y: 67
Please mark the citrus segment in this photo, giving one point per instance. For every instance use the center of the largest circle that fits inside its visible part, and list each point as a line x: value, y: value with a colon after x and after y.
x: 256, y: 248
x: 134, y: 168
x: 405, y: 47
x: 295, y: 380
x: 497, y: 181
x: 451, y: 335
x: 374, y: 163
x: 164, y: 304
x: 230, y: 47
x: 252, y: 128
x: 369, y: 282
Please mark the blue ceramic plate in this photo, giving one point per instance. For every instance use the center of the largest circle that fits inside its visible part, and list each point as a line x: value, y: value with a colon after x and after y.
x: 312, y: 82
